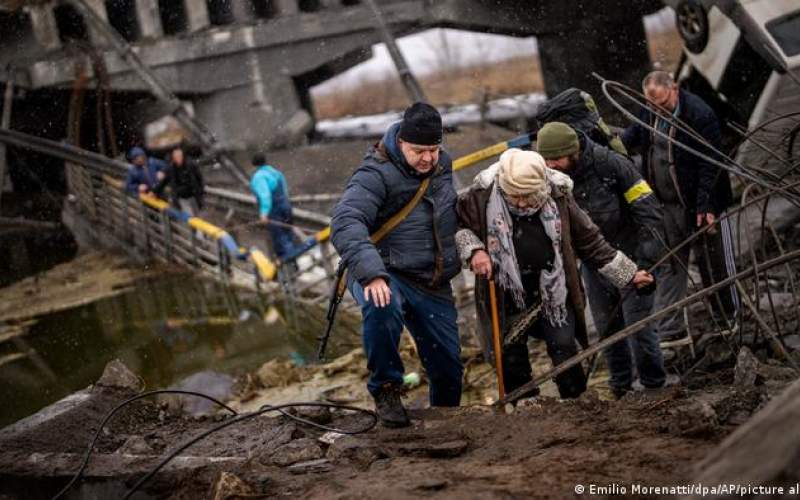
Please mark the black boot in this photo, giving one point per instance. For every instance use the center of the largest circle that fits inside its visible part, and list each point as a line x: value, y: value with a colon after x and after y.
x: 389, y: 407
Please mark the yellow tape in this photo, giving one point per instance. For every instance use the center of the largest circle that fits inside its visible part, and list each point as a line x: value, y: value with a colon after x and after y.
x: 151, y: 201
x: 480, y: 155
x: 206, y: 227
x: 638, y: 190
x: 265, y: 267
x: 323, y: 235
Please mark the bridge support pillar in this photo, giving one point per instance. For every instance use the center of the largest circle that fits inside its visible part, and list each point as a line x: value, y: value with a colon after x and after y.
x: 45, y: 28
x: 99, y: 7
x: 286, y: 7
x: 149, y: 19
x: 614, y: 48
x: 196, y: 14
x: 243, y: 11
x: 266, y: 113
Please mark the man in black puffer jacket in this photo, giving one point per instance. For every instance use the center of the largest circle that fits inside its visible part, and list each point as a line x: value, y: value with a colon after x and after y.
x: 185, y: 182
x: 694, y: 192
x: 617, y: 199
x: 404, y: 279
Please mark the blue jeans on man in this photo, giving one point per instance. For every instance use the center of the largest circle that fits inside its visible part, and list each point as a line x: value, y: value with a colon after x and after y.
x: 640, y: 349
x: 281, y: 234
x: 431, y: 321
x: 282, y: 240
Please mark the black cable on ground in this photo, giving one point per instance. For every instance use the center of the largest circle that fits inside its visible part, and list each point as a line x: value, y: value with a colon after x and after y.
x: 238, y: 418
x: 246, y: 416
x: 111, y: 413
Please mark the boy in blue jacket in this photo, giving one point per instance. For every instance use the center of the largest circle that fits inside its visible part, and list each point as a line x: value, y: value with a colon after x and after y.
x: 274, y: 207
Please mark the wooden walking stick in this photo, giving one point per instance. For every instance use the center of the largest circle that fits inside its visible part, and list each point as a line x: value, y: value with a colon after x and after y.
x: 498, y: 353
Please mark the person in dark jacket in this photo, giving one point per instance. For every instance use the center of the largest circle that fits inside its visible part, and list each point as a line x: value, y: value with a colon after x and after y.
x: 144, y: 173
x: 612, y: 192
x: 520, y: 225
x: 404, y: 279
x: 185, y: 182
x: 694, y: 193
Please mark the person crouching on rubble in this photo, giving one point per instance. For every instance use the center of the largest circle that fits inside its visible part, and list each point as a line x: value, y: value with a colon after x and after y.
x: 519, y: 225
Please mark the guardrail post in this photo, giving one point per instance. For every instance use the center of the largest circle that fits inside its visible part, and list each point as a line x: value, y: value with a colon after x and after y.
x: 167, y: 233
x: 257, y: 278
x: 127, y: 221
x: 223, y: 258
x: 193, y: 239
x: 143, y: 213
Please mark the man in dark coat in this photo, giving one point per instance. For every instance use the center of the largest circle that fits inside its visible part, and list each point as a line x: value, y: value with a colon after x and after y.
x: 694, y: 193
x: 521, y: 226
x: 610, y: 189
x: 404, y: 279
x: 144, y: 173
x: 185, y: 182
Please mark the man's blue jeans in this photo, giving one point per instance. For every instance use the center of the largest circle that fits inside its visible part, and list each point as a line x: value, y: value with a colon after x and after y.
x: 282, y: 237
x: 431, y: 321
x: 640, y: 348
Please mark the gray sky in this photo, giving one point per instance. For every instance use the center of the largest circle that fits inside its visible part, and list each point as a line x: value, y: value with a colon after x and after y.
x: 424, y: 51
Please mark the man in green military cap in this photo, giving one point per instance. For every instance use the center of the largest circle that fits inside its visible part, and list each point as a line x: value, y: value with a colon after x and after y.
x: 610, y: 189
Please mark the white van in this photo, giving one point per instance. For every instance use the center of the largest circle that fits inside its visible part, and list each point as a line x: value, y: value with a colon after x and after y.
x: 743, y: 58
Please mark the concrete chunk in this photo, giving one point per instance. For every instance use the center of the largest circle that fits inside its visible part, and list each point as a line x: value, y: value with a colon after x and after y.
x: 299, y: 450
x: 117, y: 375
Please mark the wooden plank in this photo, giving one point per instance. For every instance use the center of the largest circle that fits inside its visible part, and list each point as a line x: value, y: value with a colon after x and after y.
x: 11, y: 333
x: 10, y: 358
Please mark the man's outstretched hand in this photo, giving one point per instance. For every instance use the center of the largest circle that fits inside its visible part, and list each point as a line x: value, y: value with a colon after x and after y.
x: 378, y: 292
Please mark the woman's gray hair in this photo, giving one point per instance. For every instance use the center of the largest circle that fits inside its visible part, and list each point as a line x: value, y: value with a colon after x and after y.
x: 659, y: 79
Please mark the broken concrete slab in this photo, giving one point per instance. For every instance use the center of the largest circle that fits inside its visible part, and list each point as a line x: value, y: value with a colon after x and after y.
x: 60, y: 407
x: 792, y: 342
x: 229, y: 486
x: 780, y: 300
x: 318, y: 465
x: 136, y: 445
x: 746, y: 370
x: 450, y: 449
x: 763, y: 451
x: 211, y: 383
x: 299, y: 450
x: 318, y: 414
x: 277, y: 373
x: 271, y: 441
x: 695, y: 420
x: 119, y: 376
x: 359, y: 451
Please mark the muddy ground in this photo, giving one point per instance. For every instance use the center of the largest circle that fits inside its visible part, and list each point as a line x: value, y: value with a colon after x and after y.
x: 541, y: 448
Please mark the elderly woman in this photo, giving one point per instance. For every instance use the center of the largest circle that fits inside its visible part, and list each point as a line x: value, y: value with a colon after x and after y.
x: 520, y: 225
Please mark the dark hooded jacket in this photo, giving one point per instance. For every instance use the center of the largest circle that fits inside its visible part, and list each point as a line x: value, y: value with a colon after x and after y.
x: 184, y: 181
x: 610, y: 189
x: 703, y: 187
x: 421, y: 249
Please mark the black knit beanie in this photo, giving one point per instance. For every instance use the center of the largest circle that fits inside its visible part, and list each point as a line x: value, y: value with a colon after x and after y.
x: 422, y: 124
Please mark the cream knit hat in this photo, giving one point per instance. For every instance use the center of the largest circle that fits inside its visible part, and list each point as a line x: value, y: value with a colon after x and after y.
x: 523, y: 173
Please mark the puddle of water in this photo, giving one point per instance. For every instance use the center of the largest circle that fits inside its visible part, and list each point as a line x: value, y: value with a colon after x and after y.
x: 164, y: 330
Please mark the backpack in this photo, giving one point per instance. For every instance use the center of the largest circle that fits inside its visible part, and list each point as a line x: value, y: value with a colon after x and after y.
x: 577, y: 108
